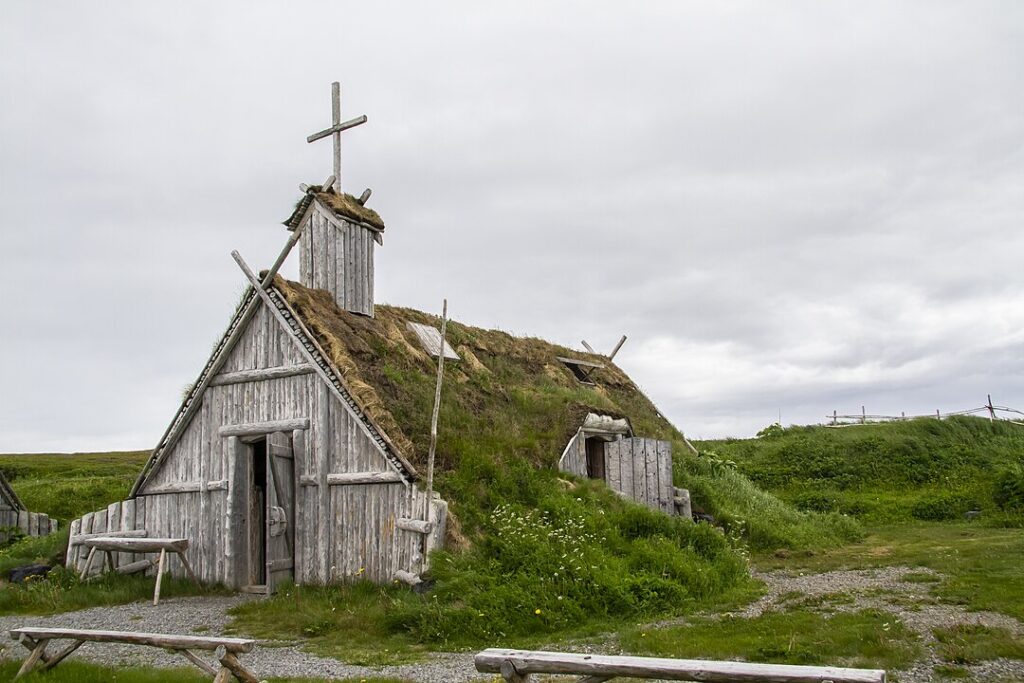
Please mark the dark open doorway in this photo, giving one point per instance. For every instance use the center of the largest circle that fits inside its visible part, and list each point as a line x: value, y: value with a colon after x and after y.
x: 257, y: 513
x: 595, y: 457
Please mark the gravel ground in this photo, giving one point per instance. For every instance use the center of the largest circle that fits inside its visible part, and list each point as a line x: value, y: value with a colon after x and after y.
x: 208, y: 616
x: 883, y: 588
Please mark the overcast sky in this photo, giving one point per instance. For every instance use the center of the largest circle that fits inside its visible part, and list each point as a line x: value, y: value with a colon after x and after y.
x: 789, y: 208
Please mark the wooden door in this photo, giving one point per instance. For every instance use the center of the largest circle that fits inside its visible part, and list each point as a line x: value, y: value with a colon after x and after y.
x: 641, y: 469
x: 280, y: 511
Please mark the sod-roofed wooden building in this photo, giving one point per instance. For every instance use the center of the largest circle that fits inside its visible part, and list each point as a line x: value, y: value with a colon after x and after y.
x: 298, y: 453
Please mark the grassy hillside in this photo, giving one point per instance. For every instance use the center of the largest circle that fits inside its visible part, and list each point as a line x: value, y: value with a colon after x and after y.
x: 67, y: 485
x: 921, y: 469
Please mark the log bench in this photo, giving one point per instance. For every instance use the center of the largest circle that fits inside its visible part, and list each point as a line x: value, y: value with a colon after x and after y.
x: 227, y: 649
x: 118, y: 544
x: 516, y: 666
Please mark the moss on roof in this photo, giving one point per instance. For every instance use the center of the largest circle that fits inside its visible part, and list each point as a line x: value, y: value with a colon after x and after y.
x: 344, y: 205
x: 508, y: 395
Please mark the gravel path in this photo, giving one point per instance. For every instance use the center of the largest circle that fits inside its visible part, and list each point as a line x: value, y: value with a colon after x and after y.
x: 884, y: 588
x: 208, y: 615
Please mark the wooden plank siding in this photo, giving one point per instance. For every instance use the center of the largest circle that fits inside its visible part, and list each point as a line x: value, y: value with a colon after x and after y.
x: 337, y: 255
x: 341, y: 532
x: 641, y: 470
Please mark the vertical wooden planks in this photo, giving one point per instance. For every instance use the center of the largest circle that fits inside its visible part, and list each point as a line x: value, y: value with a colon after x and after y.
x: 71, y: 557
x: 299, y: 519
x: 324, y: 456
x: 665, y: 477
x: 624, y: 454
x: 236, y: 517
x: 652, y: 488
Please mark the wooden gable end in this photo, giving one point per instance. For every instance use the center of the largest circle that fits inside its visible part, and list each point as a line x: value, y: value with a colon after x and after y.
x: 264, y: 378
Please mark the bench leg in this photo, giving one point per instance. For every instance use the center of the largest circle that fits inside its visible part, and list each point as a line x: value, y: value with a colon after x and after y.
x: 56, y: 659
x: 230, y: 661
x: 223, y: 675
x: 109, y: 560
x: 33, y: 658
x: 159, y: 576
x: 510, y: 674
x: 190, y: 656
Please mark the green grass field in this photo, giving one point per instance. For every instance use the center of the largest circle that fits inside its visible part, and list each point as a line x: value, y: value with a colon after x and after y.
x: 67, y: 485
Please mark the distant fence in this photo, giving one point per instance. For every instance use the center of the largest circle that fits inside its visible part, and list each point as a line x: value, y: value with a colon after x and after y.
x: 24, y: 523
x: 994, y: 413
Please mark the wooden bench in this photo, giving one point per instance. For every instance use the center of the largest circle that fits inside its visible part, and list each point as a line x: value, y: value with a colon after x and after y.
x: 119, y: 544
x: 516, y: 666
x: 227, y: 649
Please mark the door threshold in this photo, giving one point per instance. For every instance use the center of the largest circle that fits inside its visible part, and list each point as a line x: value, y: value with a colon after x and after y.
x: 258, y: 590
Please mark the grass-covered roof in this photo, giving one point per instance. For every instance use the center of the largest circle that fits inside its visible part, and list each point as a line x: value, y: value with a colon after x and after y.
x: 509, y: 395
x: 341, y: 204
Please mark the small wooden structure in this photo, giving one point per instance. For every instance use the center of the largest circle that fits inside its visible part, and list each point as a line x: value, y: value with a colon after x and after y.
x: 14, y: 515
x: 517, y: 666
x: 110, y: 545
x: 227, y: 649
x: 637, y: 468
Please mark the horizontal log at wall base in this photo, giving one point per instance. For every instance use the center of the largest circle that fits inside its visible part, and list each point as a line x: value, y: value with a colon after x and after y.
x: 408, y: 577
x: 134, y: 567
x: 518, y: 664
x: 256, y: 428
x: 261, y: 374
x: 345, y: 478
x: 417, y: 525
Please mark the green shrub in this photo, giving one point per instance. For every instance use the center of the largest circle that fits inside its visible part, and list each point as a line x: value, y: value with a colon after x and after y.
x: 566, y: 563
x: 942, y: 506
x: 1008, y: 490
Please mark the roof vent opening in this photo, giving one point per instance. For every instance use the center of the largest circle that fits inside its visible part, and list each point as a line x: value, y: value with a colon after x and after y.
x: 581, y: 369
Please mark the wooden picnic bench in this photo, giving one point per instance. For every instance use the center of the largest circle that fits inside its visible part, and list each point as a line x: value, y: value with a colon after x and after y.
x: 119, y: 544
x: 516, y: 666
x: 227, y: 649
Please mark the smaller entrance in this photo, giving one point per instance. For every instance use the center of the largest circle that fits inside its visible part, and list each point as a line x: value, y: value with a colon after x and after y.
x: 595, y: 457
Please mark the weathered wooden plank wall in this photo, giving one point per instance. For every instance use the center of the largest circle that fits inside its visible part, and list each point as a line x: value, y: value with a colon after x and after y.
x: 26, y: 523
x: 337, y: 255
x: 342, y: 532
x: 574, y: 457
x: 641, y: 469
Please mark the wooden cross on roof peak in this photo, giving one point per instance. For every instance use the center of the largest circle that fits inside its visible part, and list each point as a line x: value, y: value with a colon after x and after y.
x: 337, y: 126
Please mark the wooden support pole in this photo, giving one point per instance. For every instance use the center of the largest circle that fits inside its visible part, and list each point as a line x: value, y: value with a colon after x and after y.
x: 991, y: 410
x: 588, y: 347
x: 863, y: 415
x: 433, y: 418
x: 159, y: 576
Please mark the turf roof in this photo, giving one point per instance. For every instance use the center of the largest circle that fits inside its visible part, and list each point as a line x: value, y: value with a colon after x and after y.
x: 508, y: 394
x: 343, y: 205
